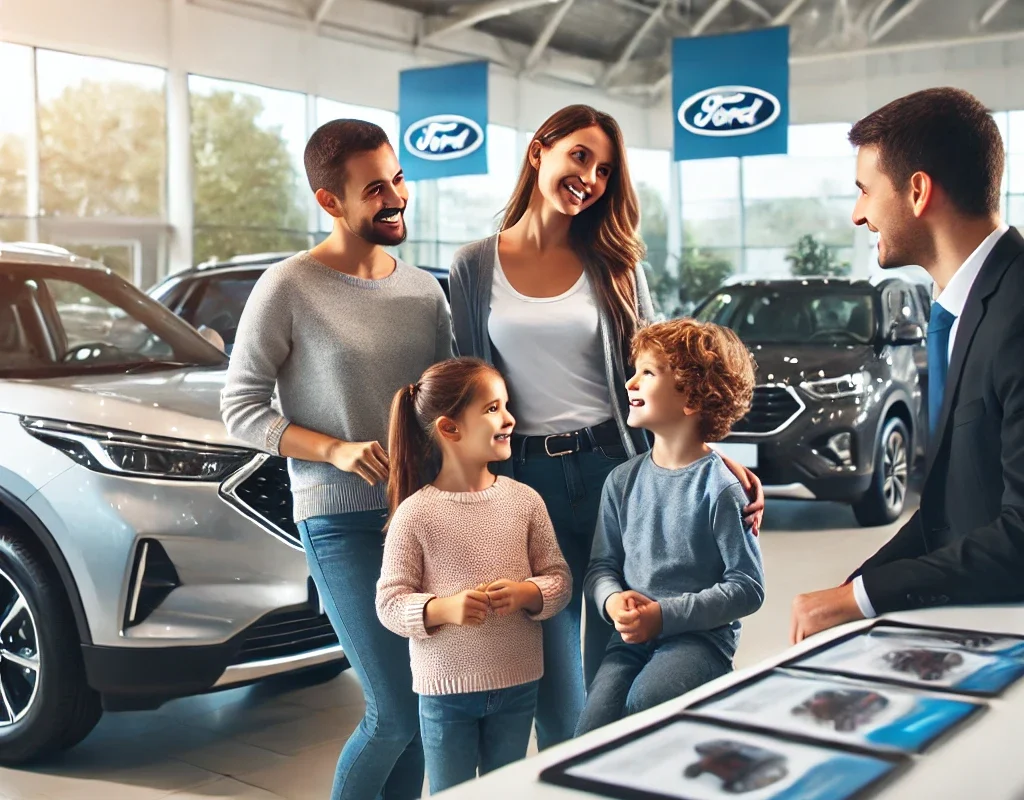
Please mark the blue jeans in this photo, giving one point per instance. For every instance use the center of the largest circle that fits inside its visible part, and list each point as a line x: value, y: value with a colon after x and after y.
x: 571, y: 489
x: 636, y: 677
x: 384, y: 756
x: 485, y: 730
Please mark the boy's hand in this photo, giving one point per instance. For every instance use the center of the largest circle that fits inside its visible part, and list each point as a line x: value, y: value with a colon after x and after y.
x: 507, y: 597
x: 637, y: 618
x: 465, y: 608
x: 622, y: 607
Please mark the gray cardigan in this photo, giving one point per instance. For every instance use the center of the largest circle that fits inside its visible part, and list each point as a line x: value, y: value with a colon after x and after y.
x: 470, y: 284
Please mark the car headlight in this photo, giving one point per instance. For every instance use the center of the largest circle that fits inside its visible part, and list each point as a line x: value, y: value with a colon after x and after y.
x: 851, y: 385
x: 137, y: 455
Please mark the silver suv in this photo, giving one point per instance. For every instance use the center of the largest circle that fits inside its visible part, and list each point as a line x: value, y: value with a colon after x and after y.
x: 144, y: 554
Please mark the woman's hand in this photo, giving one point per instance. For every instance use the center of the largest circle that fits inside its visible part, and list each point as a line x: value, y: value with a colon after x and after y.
x: 753, y: 513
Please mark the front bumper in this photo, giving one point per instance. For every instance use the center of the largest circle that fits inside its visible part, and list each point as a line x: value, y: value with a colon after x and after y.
x: 143, y: 678
x: 793, y: 460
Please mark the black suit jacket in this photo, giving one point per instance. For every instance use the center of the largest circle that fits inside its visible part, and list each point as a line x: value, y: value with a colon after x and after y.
x: 965, y: 544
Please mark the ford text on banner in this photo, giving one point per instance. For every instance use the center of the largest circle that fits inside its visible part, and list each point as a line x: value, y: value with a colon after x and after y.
x: 442, y: 114
x: 730, y: 94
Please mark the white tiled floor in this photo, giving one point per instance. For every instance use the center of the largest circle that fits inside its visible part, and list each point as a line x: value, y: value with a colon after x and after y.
x: 281, y: 739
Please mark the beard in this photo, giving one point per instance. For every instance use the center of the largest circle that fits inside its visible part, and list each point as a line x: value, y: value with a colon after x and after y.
x: 373, y: 233
x: 907, y: 243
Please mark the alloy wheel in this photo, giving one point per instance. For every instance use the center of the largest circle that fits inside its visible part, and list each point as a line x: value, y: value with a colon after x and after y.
x: 895, y: 470
x: 19, y: 654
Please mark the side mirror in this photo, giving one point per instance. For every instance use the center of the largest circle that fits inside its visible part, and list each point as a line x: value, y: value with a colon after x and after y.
x: 212, y: 336
x: 906, y: 333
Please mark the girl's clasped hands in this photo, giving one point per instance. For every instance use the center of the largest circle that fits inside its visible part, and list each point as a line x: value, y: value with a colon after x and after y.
x: 470, y: 607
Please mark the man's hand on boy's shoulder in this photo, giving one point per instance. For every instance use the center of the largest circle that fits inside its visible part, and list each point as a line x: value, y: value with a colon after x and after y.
x: 637, y: 618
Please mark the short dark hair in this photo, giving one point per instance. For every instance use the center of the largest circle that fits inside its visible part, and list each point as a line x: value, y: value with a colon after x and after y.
x: 944, y: 132
x: 332, y: 145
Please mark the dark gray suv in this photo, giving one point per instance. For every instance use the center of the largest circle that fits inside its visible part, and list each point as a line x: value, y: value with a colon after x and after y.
x: 837, y: 411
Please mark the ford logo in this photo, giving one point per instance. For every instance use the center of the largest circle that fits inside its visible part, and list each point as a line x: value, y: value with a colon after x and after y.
x: 443, y: 137
x: 729, y: 111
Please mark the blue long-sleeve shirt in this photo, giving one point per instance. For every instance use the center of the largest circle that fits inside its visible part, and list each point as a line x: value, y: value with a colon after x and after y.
x: 677, y: 536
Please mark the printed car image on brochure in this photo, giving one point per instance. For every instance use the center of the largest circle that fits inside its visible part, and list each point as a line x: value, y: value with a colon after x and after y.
x: 918, y: 657
x: 837, y: 709
x: 687, y: 758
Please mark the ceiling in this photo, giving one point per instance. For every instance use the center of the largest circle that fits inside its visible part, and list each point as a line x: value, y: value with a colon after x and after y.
x: 626, y: 44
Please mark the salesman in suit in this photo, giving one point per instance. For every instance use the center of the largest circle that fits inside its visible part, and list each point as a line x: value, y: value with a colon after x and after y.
x: 929, y: 169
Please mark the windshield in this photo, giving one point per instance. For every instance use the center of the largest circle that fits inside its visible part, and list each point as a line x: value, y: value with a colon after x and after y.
x: 58, y: 320
x: 794, y: 314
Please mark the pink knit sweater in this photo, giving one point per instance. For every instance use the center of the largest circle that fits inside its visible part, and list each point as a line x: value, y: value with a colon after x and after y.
x: 442, y: 543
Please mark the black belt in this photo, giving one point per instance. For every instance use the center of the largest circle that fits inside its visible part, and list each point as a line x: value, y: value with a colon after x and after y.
x: 564, y: 444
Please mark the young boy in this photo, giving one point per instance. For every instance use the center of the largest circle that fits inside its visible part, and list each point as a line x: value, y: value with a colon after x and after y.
x: 673, y: 567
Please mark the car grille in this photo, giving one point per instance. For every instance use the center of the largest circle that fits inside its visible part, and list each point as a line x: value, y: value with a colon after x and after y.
x: 286, y: 633
x: 772, y: 409
x: 267, y: 494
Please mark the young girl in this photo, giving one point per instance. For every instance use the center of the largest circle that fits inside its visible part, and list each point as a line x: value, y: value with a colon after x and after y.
x: 471, y: 566
x: 554, y: 300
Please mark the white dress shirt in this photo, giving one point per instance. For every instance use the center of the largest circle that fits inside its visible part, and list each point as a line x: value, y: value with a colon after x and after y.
x: 953, y: 298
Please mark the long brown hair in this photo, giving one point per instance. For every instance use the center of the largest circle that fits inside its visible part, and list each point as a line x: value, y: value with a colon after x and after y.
x: 444, y: 390
x: 606, y: 235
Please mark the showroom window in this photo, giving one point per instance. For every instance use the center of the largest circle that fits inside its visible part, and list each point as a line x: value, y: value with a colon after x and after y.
x: 250, y: 194
x: 651, y: 173
x: 809, y: 192
x: 102, y: 137
x: 469, y: 207
x: 752, y: 216
x: 18, y: 103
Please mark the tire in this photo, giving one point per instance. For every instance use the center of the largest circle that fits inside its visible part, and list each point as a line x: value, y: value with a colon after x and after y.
x: 884, y: 500
x: 45, y: 705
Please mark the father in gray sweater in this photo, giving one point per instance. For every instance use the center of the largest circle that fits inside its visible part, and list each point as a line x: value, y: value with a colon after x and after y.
x: 338, y: 330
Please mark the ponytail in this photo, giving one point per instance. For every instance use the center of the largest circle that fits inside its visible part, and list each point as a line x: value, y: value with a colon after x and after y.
x: 409, y: 449
x: 444, y: 390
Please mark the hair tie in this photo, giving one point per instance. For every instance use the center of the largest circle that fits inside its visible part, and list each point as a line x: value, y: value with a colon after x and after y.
x: 412, y: 390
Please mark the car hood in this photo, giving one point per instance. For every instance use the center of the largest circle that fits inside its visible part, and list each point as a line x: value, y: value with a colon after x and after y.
x: 793, y: 364
x: 178, y: 403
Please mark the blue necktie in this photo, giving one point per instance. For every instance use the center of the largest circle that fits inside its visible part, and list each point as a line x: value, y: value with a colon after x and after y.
x: 939, y: 325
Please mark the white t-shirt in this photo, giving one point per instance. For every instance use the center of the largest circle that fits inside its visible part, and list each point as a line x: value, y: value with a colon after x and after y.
x: 550, y: 349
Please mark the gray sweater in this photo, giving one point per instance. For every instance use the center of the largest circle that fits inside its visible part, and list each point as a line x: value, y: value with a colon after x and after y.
x: 471, y: 281
x: 338, y: 348
x: 677, y: 537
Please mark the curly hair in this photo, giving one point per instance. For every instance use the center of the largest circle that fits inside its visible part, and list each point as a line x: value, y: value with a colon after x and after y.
x: 712, y: 369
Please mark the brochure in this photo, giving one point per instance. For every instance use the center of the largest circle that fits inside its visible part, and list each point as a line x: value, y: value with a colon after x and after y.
x: 855, y: 712
x: 959, y: 661
x: 689, y: 758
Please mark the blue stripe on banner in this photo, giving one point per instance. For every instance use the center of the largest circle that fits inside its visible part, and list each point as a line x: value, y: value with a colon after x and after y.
x: 836, y: 779
x: 929, y: 718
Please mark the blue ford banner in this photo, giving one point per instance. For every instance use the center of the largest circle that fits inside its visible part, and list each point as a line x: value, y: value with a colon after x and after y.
x: 443, y: 121
x: 730, y: 94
